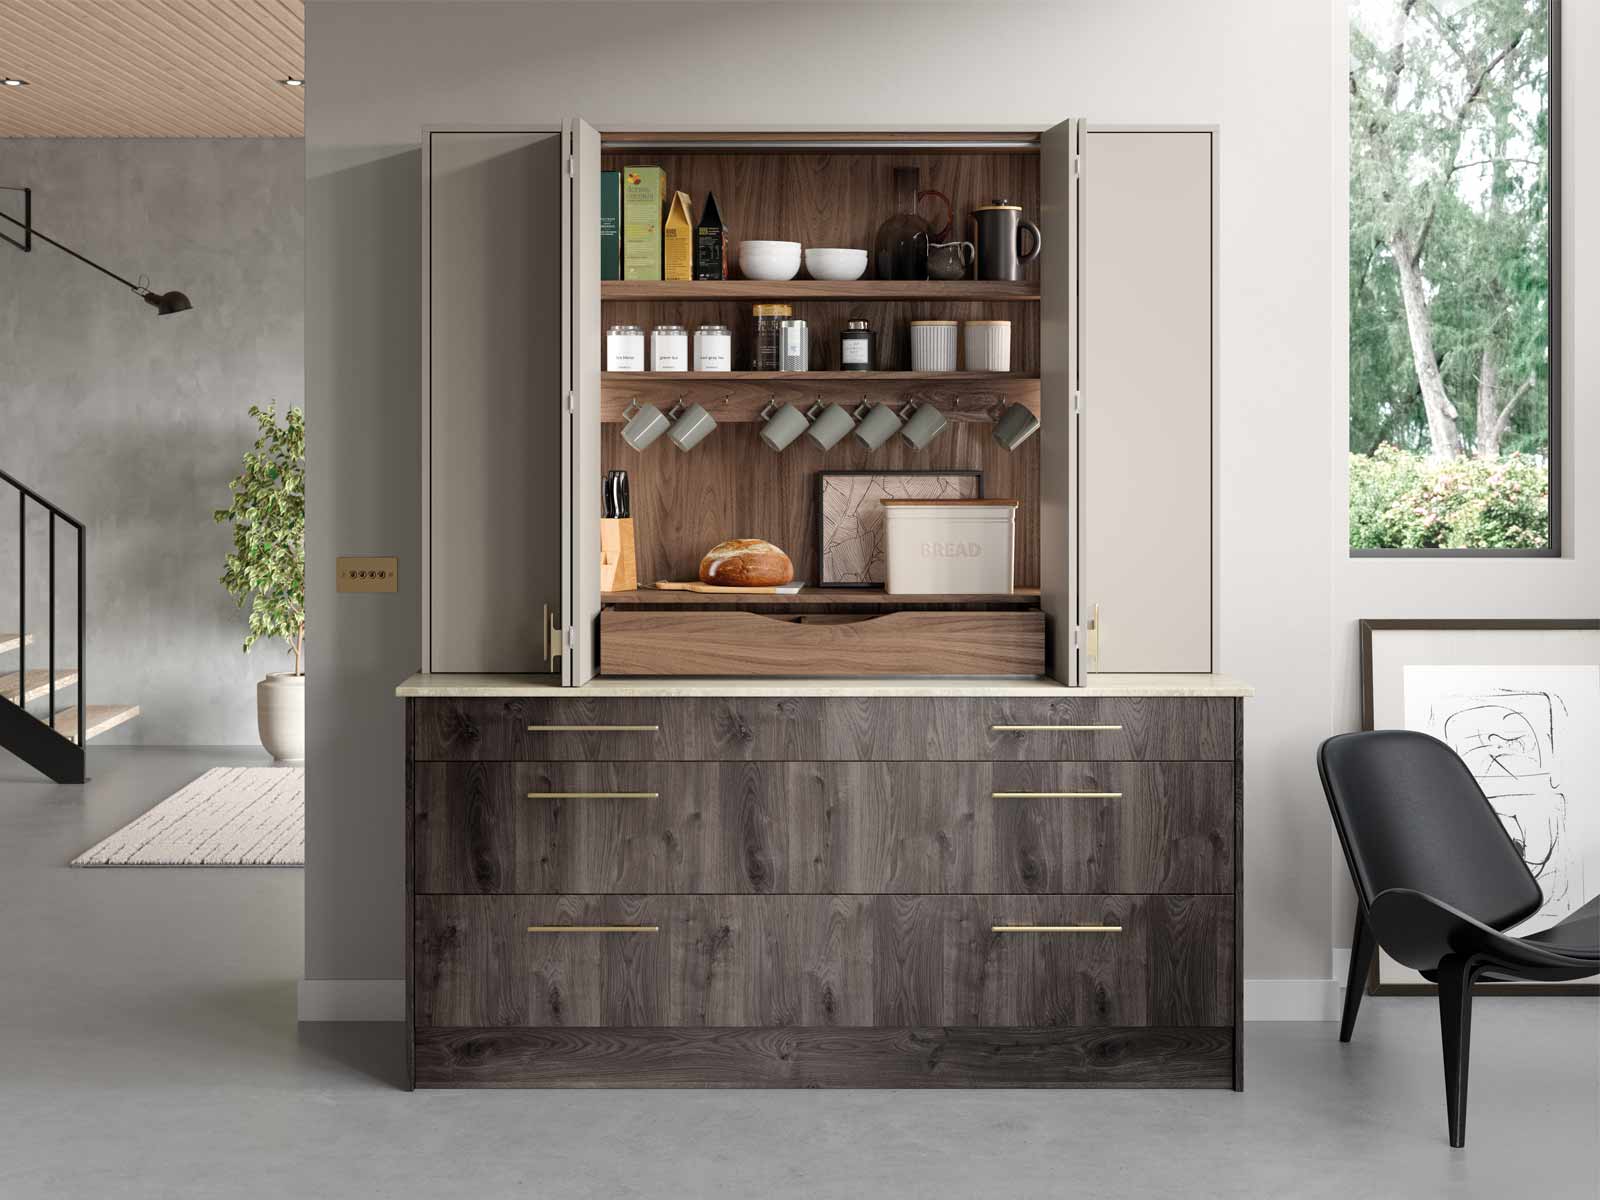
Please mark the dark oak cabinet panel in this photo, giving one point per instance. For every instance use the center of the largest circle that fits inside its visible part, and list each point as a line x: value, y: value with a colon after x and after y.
x: 821, y: 827
x: 807, y: 892
x: 623, y: 961
x: 850, y: 728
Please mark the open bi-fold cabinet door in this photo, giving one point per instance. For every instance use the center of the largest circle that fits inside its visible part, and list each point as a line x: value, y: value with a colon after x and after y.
x: 1146, y: 381
x: 493, y: 358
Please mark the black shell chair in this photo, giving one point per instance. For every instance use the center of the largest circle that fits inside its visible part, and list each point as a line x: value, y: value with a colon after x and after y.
x: 1439, y: 881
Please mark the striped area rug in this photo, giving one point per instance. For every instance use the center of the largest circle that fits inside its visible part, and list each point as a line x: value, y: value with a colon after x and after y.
x: 229, y: 817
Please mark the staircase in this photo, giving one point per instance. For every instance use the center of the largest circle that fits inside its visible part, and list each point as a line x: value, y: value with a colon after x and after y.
x: 47, y: 737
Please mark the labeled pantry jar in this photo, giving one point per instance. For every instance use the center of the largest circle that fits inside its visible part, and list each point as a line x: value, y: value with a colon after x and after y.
x: 625, y: 348
x: 713, y: 348
x: 669, y: 348
x: 855, y: 346
x: 767, y: 353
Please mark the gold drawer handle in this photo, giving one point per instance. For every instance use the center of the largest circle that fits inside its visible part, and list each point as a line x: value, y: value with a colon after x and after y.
x: 594, y: 795
x: 594, y: 929
x: 594, y: 728
x: 1056, y: 795
x: 1067, y: 728
x: 1055, y: 929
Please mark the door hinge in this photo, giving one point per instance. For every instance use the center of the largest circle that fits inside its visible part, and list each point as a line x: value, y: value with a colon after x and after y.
x: 572, y: 167
x: 572, y: 402
x: 571, y: 638
x: 1077, y: 402
x: 1077, y: 637
x: 1077, y: 166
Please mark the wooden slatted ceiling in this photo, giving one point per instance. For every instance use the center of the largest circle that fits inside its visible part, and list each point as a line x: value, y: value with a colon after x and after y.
x: 152, y: 68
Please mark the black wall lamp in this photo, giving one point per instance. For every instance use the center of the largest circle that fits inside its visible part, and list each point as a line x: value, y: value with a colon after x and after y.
x: 164, y: 303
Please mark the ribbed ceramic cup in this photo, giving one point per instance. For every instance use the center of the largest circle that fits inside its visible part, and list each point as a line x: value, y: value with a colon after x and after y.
x: 829, y: 423
x: 784, y: 424
x: 691, y: 427
x: 924, y: 423
x: 933, y: 345
x: 1015, y: 426
x: 643, y: 424
x: 988, y: 345
x: 878, y: 424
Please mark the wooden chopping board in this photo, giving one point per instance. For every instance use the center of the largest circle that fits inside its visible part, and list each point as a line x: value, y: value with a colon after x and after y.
x: 669, y: 585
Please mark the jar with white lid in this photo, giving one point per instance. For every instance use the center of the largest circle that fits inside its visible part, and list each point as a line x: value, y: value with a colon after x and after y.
x: 669, y: 348
x: 625, y: 348
x: 713, y: 348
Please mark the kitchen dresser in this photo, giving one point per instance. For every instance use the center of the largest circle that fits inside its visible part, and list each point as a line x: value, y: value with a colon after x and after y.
x: 804, y: 884
x: 843, y: 838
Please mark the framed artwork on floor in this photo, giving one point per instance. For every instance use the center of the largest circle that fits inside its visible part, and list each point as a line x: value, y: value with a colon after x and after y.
x: 851, y: 550
x: 1519, y: 701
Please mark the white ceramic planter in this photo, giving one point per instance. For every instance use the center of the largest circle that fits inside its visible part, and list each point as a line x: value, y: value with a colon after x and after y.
x: 281, y: 715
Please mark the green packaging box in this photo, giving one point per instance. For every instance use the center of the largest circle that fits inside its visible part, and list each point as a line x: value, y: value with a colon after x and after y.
x: 610, y: 224
x: 642, y: 191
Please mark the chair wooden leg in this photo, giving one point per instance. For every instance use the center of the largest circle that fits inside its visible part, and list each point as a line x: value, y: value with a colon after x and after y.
x: 1362, y: 947
x: 1455, y: 1028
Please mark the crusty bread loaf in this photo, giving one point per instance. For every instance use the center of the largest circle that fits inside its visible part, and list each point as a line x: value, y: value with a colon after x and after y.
x: 746, y: 562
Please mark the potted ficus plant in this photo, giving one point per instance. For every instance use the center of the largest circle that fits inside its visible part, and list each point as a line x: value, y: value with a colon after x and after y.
x: 268, y: 568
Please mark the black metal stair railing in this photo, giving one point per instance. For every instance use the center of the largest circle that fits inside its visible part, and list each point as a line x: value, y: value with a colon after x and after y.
x: 39, y: 741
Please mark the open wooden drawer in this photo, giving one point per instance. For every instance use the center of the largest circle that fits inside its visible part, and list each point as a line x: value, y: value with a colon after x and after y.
x: 736, y: 642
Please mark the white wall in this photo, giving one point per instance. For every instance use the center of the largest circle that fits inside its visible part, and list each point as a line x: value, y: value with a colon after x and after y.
x: 1486, y: 588
x: 1261, y: 69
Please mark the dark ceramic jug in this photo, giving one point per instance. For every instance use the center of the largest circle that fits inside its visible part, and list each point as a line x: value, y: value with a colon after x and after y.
x: 1000, y: 227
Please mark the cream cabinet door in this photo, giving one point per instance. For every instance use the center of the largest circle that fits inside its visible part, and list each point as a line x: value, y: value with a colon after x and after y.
x: 581, y: 437
x: 1146, y: 490
x: 493, y: 347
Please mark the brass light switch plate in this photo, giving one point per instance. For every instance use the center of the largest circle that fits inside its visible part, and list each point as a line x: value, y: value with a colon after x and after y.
x: 368, y: 574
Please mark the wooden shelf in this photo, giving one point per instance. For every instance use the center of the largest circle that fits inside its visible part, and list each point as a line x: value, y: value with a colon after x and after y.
x: 819, y: 289
x: 836, y: 599
x: 739, y: 396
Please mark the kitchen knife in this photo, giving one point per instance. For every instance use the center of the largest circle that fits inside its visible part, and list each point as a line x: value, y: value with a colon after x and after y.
x: 624, y: 504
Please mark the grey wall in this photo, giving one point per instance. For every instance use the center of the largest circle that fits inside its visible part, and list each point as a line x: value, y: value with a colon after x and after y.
x: 1267, y: 72
x: 135, y: 423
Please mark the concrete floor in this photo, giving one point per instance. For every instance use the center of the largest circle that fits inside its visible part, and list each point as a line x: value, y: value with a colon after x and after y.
x: 148, y: 1048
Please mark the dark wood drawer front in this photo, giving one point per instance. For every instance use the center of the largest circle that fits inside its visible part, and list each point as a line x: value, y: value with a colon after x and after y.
x: 626, y: 828
x: 824, y: 960
x: 1069, y: 729
x: 850, y: 729
x: 624, y: 729
x: 1111, y: 827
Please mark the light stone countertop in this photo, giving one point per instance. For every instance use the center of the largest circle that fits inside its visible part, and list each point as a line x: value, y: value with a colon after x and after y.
x: 549, y: 687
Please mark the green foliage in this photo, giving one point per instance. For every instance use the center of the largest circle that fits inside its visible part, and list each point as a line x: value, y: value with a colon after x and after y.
x: 1449, y: 168
x: 268, y: 512
x: 1404, y: 500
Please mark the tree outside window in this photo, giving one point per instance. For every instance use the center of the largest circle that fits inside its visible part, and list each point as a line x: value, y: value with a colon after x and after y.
x: 1451, y: 369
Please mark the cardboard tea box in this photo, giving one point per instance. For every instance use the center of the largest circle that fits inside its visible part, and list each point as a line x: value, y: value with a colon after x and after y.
x: 642, y: 191
x: 677, y: 239
x: 610, y: 224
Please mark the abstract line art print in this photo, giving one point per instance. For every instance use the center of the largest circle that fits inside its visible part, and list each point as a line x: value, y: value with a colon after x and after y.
x: 1531, y: 737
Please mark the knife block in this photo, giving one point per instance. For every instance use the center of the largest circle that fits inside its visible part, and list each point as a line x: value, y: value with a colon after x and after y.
x: 619, y: 570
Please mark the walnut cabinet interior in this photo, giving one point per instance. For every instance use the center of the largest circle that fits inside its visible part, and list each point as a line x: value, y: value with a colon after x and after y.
x: 1113, y: 346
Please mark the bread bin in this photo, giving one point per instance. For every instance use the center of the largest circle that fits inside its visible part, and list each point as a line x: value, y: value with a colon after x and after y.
x: 938, y: 547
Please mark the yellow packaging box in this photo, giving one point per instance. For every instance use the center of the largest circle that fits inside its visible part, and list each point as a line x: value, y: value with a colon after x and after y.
x: 677, y: 240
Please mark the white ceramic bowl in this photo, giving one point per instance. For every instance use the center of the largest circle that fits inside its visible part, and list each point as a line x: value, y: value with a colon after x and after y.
x: 769, y: 260
x: 827, y: 262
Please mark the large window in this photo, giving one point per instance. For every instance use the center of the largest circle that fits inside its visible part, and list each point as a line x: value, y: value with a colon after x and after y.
x: 1453, y: 437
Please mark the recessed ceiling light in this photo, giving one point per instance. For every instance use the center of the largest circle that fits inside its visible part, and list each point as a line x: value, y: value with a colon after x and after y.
x: 292, y: 82
x: 14, y: 82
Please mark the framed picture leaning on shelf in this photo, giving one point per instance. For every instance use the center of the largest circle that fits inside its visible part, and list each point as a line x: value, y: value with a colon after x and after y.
x: 1519, y: 701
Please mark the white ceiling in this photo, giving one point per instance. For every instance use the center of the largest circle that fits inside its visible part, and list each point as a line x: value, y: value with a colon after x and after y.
x: 152, y: 68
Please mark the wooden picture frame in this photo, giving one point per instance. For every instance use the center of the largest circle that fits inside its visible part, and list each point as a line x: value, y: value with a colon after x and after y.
x: 1368, y: 628
x: 962, y: 473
